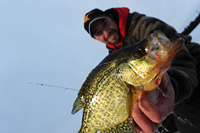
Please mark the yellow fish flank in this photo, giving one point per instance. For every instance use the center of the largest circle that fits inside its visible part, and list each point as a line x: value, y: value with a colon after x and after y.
x: 108, y: 94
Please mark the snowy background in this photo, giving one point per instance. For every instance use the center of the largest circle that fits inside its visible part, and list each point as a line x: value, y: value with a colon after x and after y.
x: 43, y: 41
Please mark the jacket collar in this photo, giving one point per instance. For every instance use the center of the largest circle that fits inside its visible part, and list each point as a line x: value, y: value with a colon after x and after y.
x: 122, y: 16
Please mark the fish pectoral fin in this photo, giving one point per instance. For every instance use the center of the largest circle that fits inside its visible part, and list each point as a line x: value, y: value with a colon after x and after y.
x: 130, y: 102
x: 78, y: 105
x: 124, y: 127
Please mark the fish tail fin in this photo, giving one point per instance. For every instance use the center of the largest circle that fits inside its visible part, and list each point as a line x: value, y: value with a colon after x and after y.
x: 125, y: 127
x: 78, y: 105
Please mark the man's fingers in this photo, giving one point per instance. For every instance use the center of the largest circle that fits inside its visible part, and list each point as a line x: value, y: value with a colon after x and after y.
x: 149, y: 113
x: 143, y: 121
x: 139, y: 130
x: 153, y: 112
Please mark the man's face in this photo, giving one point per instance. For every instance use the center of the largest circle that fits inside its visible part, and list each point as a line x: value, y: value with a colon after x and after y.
x: 105, y: 30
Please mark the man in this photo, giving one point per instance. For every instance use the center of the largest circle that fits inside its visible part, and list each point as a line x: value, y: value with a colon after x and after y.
x: 117, y: 28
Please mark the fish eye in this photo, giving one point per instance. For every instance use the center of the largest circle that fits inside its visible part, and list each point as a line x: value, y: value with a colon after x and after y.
x: 139, y: 53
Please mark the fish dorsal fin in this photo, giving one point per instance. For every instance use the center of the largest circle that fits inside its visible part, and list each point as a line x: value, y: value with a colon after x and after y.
x: 124, y: 127
x: 78, y: 104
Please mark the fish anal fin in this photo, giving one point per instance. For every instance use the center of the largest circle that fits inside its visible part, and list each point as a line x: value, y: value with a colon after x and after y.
x: 125, y: 127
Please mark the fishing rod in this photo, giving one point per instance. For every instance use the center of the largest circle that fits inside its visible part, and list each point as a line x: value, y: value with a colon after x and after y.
x: 181, y: 120
x: 54, y: 86
x: 192, y: 25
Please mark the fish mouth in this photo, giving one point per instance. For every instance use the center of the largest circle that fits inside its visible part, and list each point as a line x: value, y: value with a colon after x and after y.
x: 166, y: 65
x: 162, y: 70
x: 178, y: 47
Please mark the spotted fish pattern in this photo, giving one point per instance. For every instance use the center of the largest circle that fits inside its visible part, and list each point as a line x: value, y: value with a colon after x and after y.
x: 110, y: 90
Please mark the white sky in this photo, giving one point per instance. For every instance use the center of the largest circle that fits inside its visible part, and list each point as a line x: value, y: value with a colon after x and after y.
x: 43, y: 41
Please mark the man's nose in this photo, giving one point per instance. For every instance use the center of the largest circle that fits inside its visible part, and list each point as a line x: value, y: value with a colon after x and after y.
x: 105, y: 31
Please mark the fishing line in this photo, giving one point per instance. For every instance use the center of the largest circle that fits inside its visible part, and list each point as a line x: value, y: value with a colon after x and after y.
x: 181, y: 120
x: 54, y: 86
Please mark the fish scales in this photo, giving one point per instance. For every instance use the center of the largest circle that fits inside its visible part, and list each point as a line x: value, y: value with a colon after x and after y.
x: 110, y: 90
x: 106, y: 86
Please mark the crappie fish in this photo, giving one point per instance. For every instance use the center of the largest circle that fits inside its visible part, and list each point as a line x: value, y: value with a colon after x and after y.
x: 110, y: 90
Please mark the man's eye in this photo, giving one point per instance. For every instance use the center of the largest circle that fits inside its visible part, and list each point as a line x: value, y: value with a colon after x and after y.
x: 98, y: 33
x: 104, y: 23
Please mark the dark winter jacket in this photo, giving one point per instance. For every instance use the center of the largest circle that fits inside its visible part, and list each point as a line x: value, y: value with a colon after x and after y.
x: 183, y: 69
